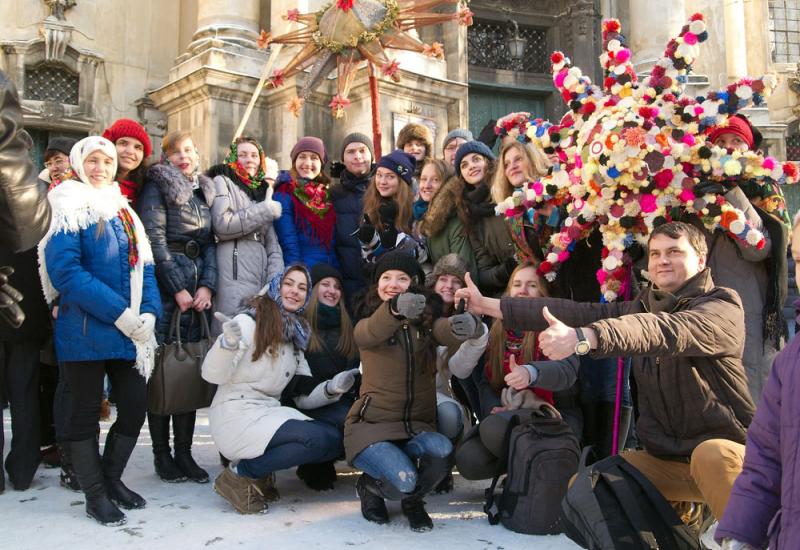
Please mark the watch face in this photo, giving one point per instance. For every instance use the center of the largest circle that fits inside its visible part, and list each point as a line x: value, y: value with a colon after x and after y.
x: 582, y: 348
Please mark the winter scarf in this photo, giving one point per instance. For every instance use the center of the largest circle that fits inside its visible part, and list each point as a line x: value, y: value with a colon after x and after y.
x: 295, y: 327
x: 513, y: 346
x: 233, y: 162
x: 328, y: 317
x: 419, y: 209
x: 77, y: 205
x: 313, y: 209
x: 477, y: 202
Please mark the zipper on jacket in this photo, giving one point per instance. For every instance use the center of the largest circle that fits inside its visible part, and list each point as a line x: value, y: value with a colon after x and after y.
x: 409, y: 380
x: 660, y: 391
x: 235, y: 259
x: 363, y: 410
x: 85, y: 324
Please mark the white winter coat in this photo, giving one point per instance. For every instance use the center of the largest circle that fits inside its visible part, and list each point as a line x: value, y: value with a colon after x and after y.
x: 246, y: 411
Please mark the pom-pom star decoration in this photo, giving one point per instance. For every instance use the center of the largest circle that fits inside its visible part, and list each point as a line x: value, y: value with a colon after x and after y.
x: 631, y: 153
x: 345, y: 34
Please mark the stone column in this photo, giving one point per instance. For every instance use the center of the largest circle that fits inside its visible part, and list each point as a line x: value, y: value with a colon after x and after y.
x: 232, y: 21
x: 735, y: 40
x: 652, y: 24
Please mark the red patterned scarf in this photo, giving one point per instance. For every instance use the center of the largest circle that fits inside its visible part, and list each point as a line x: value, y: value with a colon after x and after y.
x: 130, y: 230
x: 313, y: 210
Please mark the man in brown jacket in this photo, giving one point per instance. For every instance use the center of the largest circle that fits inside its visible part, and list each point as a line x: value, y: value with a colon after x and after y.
x: 686, y: 338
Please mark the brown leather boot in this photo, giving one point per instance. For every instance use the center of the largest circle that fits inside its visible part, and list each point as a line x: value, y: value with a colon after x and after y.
x: 242, y: 492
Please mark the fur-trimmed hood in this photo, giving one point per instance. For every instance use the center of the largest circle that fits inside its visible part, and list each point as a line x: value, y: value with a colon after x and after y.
x: 442, y: 207
x: 176, y: 188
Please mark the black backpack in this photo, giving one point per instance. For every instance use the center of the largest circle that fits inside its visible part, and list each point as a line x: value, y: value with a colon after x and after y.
x: 543, y: 454
x: 611, y: 505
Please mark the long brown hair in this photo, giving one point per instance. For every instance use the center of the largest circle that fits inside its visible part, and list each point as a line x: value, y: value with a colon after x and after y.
x: 403, y: 198
x: 461, y: 207
x: 537, y: 167
x: 269, y: 322
x: 346, y: 346
x: 321, y: 178
x: 495, y: 351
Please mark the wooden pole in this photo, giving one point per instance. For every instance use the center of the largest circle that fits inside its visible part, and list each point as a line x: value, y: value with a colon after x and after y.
x: 273, y: 56
x: 376, y: 118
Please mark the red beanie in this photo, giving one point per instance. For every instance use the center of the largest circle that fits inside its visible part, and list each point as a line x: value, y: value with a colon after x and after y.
x: 737, y: 126
x: 126, y: 127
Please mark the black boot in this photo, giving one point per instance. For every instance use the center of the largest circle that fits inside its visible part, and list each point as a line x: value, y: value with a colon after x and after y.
x: 320, y: 477
x: 446, y: 485
x: 165, y: 466
x: 117, y: 451
x: 430, y: 473
x: 373, y: 508
x: 67, y: 477
x: 414, y: 509
x: 89, y: 470
x: 183, y: 428
x: 606, y: 434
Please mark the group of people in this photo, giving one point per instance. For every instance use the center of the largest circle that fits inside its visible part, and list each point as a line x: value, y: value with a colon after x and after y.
x: 380, y: 311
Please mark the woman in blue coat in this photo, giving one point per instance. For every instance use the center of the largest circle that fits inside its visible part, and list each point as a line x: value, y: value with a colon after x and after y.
x: 306, y: 228
x: 97, y: 261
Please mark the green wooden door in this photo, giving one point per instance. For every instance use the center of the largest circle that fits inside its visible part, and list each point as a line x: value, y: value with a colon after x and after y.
x: 492, y: 102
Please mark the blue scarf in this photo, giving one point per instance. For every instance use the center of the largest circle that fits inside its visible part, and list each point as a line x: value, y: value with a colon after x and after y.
x: 295, y: 326
x: 420, y: 207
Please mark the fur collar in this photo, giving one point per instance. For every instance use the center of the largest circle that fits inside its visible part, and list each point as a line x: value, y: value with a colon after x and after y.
x: 441, y: 208
x: 176, y: 188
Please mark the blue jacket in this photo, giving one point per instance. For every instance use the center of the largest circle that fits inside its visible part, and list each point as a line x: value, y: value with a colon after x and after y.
x: 348, y: 203
x: 299, y: 246
x: 92, y: 275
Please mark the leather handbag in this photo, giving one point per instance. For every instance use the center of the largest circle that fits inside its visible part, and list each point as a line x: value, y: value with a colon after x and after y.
x: 176, y: 385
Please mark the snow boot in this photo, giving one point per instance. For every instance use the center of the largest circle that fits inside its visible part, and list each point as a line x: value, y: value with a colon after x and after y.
x: 446, y: 485
x: 373, y: 507
x: 319, y: 477
x: 242, y: 492
x: 268, y: 488
x: 414, y: 509
x: 116, y: 453
x: 183, y: 428
x: 431, y: 471
x: 89, y: 471
x: 67, y: 477
x: 163, y: 462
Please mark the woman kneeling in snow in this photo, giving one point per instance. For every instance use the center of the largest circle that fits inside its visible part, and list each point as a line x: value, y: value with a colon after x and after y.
x: 257, y: 359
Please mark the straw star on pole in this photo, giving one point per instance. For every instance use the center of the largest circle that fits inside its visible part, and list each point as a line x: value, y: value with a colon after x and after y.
x: 632, y: 153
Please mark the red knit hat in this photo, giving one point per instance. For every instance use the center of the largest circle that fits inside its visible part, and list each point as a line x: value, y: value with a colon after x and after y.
x: 737, y: 126
x: 126, y: 127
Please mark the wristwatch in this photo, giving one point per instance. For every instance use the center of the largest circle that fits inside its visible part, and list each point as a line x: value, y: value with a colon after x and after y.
x: 582, y: 346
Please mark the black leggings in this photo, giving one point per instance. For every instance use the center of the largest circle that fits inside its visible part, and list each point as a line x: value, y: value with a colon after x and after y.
x: 82, y: 391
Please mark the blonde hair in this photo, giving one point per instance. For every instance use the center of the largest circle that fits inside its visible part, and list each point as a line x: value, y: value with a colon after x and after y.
x: 171, y: 141
x: 346, y: 345
x: 537, y: 167
x: 495, y: 351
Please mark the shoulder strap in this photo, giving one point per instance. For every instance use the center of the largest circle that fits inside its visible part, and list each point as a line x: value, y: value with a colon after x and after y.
x: 621, y: 489
x: 490, y: 506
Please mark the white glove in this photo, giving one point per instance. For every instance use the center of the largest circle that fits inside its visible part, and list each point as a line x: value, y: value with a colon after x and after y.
x: 231, y: 331
x: 145, y: 331
x: 128, y: 322
x: 731, y: 544
x: 342, y: 382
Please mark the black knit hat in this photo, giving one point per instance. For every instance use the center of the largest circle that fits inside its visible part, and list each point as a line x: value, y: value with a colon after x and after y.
x: 321, y: 271
x: 401, y: 261
x: 358, y: 137
x: 60, y: 144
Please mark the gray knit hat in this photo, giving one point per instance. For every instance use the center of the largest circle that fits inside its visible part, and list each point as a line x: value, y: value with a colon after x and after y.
x: 462, y: 133
x: 357, y: 137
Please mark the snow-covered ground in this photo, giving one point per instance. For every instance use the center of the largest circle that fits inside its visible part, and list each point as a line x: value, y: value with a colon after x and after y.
x: 188, y: 515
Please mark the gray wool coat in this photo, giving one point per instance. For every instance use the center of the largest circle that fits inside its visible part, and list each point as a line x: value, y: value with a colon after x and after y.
x: 248, y: 253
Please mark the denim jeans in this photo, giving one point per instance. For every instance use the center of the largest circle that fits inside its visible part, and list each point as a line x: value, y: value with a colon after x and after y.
x: 598, y: 380
x: 393, y: 461
x: 334, y: 414
x: 449, y: 417
x: 296, y: 442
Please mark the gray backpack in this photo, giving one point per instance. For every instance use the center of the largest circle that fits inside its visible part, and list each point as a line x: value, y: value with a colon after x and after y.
x: 543, y: 455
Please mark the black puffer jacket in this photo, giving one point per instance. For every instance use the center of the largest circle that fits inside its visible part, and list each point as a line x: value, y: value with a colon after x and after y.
x: 348, y: 203
x: 327, y: 363
x: 175, y: 214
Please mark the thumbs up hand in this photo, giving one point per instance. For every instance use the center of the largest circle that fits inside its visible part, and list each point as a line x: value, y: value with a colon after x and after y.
x: 471, y: 295
x: 558, y: 340
x: 519, y: 378
x: 231, y: 331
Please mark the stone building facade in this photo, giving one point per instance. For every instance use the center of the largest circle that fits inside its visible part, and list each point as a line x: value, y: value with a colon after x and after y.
x: 193, y: 64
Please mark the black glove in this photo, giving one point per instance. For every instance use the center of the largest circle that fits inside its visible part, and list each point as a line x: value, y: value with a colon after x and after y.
x: 408, y: 305
x: 487, y: 135
x: 388, y: 212
x: 511, y: 265
x: 389, y: 237
x: 336, y: 169
x: 465, y: 326
x: 366, y: 231
x: 10, y: 312
x: 710, y: 187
